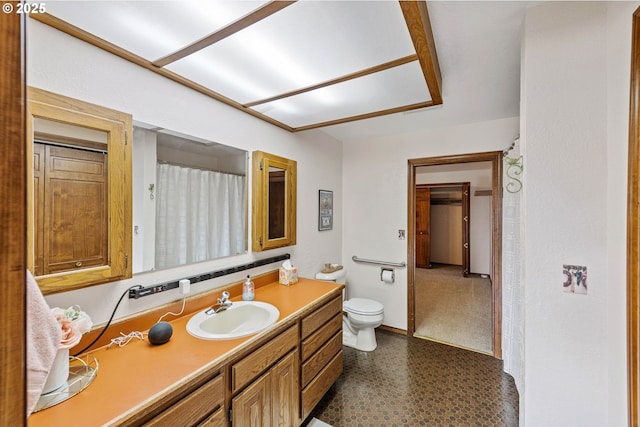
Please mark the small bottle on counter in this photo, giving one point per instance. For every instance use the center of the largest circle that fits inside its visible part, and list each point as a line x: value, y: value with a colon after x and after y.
x: 248, y: 290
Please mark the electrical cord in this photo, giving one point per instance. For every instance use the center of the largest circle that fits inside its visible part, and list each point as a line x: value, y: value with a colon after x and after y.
x: 108, y: 322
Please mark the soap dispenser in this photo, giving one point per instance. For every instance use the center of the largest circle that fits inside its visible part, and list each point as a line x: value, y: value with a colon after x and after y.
x: 248, y: 290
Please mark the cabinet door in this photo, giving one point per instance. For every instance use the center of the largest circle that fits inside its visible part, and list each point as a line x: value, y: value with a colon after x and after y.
x: 252, y: 407
x: 285, y: 391
x: 74, y: 210
x: 423, y: 227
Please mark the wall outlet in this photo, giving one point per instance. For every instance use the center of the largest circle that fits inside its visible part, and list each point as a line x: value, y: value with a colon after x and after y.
x: 185, y: 286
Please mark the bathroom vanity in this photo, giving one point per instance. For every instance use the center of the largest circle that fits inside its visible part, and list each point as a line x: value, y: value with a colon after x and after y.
x: 273, y: 378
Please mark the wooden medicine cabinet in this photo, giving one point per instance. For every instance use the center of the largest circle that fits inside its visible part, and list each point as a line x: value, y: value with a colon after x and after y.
x: 274, y: 201
x: 79, y: 194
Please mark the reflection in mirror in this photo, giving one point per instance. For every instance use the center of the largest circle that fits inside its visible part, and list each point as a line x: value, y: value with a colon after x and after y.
x: 70, y: 197
x: 276, y: 202
x: 190, y: 199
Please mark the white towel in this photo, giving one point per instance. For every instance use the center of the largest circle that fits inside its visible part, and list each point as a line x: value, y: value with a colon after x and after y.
x: 43, y: 338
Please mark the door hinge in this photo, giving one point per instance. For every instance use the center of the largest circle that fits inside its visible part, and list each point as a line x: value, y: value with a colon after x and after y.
x: 126, y: 138
x: 230, y: 415
x: 261, y: 164
x: 126, y: 261
x: 260, y: 240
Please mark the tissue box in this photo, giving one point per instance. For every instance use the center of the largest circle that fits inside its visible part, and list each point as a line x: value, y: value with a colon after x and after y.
x: 288, y: 276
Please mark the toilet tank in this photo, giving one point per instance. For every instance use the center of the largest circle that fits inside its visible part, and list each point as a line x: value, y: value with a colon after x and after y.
x: 339, y: 276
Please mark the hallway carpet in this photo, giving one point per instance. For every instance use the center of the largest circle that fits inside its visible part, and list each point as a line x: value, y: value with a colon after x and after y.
x: 415, y: 382
x: 453, y: 309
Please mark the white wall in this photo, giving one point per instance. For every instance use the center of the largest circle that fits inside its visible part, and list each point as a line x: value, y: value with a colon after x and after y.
x: 575, y: 99
x: 375, y: 201
x: 62, y: 64
x: 446, y: 234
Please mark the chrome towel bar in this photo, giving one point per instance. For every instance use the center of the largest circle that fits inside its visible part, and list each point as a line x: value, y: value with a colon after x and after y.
x: 371, y: 261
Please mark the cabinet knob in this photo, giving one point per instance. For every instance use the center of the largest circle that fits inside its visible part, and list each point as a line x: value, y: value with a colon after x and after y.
x: 79, y: 264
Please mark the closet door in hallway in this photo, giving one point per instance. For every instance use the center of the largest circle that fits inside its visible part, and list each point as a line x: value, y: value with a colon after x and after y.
x: 423, y: 228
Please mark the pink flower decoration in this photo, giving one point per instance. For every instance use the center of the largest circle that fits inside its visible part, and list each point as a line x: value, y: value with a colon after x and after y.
x: 73, y: 323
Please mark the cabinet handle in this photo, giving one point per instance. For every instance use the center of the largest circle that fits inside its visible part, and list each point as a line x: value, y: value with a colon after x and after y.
x: 79, y: 264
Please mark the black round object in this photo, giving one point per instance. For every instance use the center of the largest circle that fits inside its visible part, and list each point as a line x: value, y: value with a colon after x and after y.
x: 160, y: 333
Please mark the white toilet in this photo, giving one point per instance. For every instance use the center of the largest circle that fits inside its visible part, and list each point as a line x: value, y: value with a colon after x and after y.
x: 362, y: 316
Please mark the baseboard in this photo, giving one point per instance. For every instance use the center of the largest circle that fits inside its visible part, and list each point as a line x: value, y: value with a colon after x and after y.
x: 393, y: 330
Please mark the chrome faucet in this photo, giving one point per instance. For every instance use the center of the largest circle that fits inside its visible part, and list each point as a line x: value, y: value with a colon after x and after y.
x: 222, y: 305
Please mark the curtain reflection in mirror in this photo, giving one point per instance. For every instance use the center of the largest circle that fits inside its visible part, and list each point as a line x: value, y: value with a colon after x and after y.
x: 200, y: 215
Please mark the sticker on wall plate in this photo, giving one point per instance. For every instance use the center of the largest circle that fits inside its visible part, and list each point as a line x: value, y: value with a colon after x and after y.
x: 574, y: 279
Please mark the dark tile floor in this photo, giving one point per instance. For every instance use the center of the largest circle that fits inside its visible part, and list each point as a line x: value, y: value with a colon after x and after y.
x: 415, y: 382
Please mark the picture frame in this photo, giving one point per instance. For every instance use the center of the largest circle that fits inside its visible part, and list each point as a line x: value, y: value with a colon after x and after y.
x: 325, y: 210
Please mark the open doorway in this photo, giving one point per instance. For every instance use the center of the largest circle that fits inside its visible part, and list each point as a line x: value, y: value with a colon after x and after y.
x: 443, y: 220
x: 487, y: 266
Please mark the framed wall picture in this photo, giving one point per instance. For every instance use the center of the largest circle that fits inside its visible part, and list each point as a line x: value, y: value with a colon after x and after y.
x: 325, y: 210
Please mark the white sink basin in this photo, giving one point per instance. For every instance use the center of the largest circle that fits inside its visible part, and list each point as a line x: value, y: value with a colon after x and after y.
x: 241, y: 319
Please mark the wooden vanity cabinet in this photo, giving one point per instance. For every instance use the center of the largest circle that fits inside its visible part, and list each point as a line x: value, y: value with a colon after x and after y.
x: 321, y: 353
x: 265, y: 384
x: 272, y: 399
x: 202, y: 407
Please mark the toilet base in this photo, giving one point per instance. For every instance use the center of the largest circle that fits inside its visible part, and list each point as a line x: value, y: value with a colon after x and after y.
x: 364, y: 339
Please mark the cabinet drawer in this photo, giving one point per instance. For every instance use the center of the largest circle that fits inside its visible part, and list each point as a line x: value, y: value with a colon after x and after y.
x: 320, y: 316
x: 312, y: 394
x: 194, y: 407
x: 218, y: 419
x: 315, y: 340
x: 253, y: 365
x: 321, y: 358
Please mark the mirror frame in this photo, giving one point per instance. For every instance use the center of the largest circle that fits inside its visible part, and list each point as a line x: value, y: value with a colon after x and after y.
x: 260, y: 201
x: 119, y: 127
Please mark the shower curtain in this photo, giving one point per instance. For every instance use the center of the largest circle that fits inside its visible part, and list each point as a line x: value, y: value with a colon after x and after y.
x: 200, y: 215
x: 513, y: 294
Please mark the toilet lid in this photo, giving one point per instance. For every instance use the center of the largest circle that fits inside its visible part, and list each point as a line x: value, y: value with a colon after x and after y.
x: 363, y: 306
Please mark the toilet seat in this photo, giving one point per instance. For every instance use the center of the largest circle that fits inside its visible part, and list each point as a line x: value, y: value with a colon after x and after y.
x: 363, y: 306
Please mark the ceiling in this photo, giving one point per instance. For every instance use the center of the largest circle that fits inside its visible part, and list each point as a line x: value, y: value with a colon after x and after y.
x: 347, y: 67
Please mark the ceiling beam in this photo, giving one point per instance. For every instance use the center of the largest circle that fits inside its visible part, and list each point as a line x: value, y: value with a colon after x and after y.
x: 257, y: 15
x: 347, y: 77
x: 416, y: 16
x: 378, y: 113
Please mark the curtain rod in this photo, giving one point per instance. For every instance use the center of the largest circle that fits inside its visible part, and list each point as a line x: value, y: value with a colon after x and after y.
x: 180, y: 165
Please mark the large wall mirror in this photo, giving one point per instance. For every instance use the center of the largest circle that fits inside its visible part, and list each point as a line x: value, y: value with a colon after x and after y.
x: 79, y: 197
x: 274, y: 201
x: 189, y: 199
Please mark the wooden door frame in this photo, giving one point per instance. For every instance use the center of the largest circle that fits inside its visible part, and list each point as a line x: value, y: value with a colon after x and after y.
x: 13, y: 226
x: 466, y: 229
x: 495, y: 157
x: 633, y: 230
